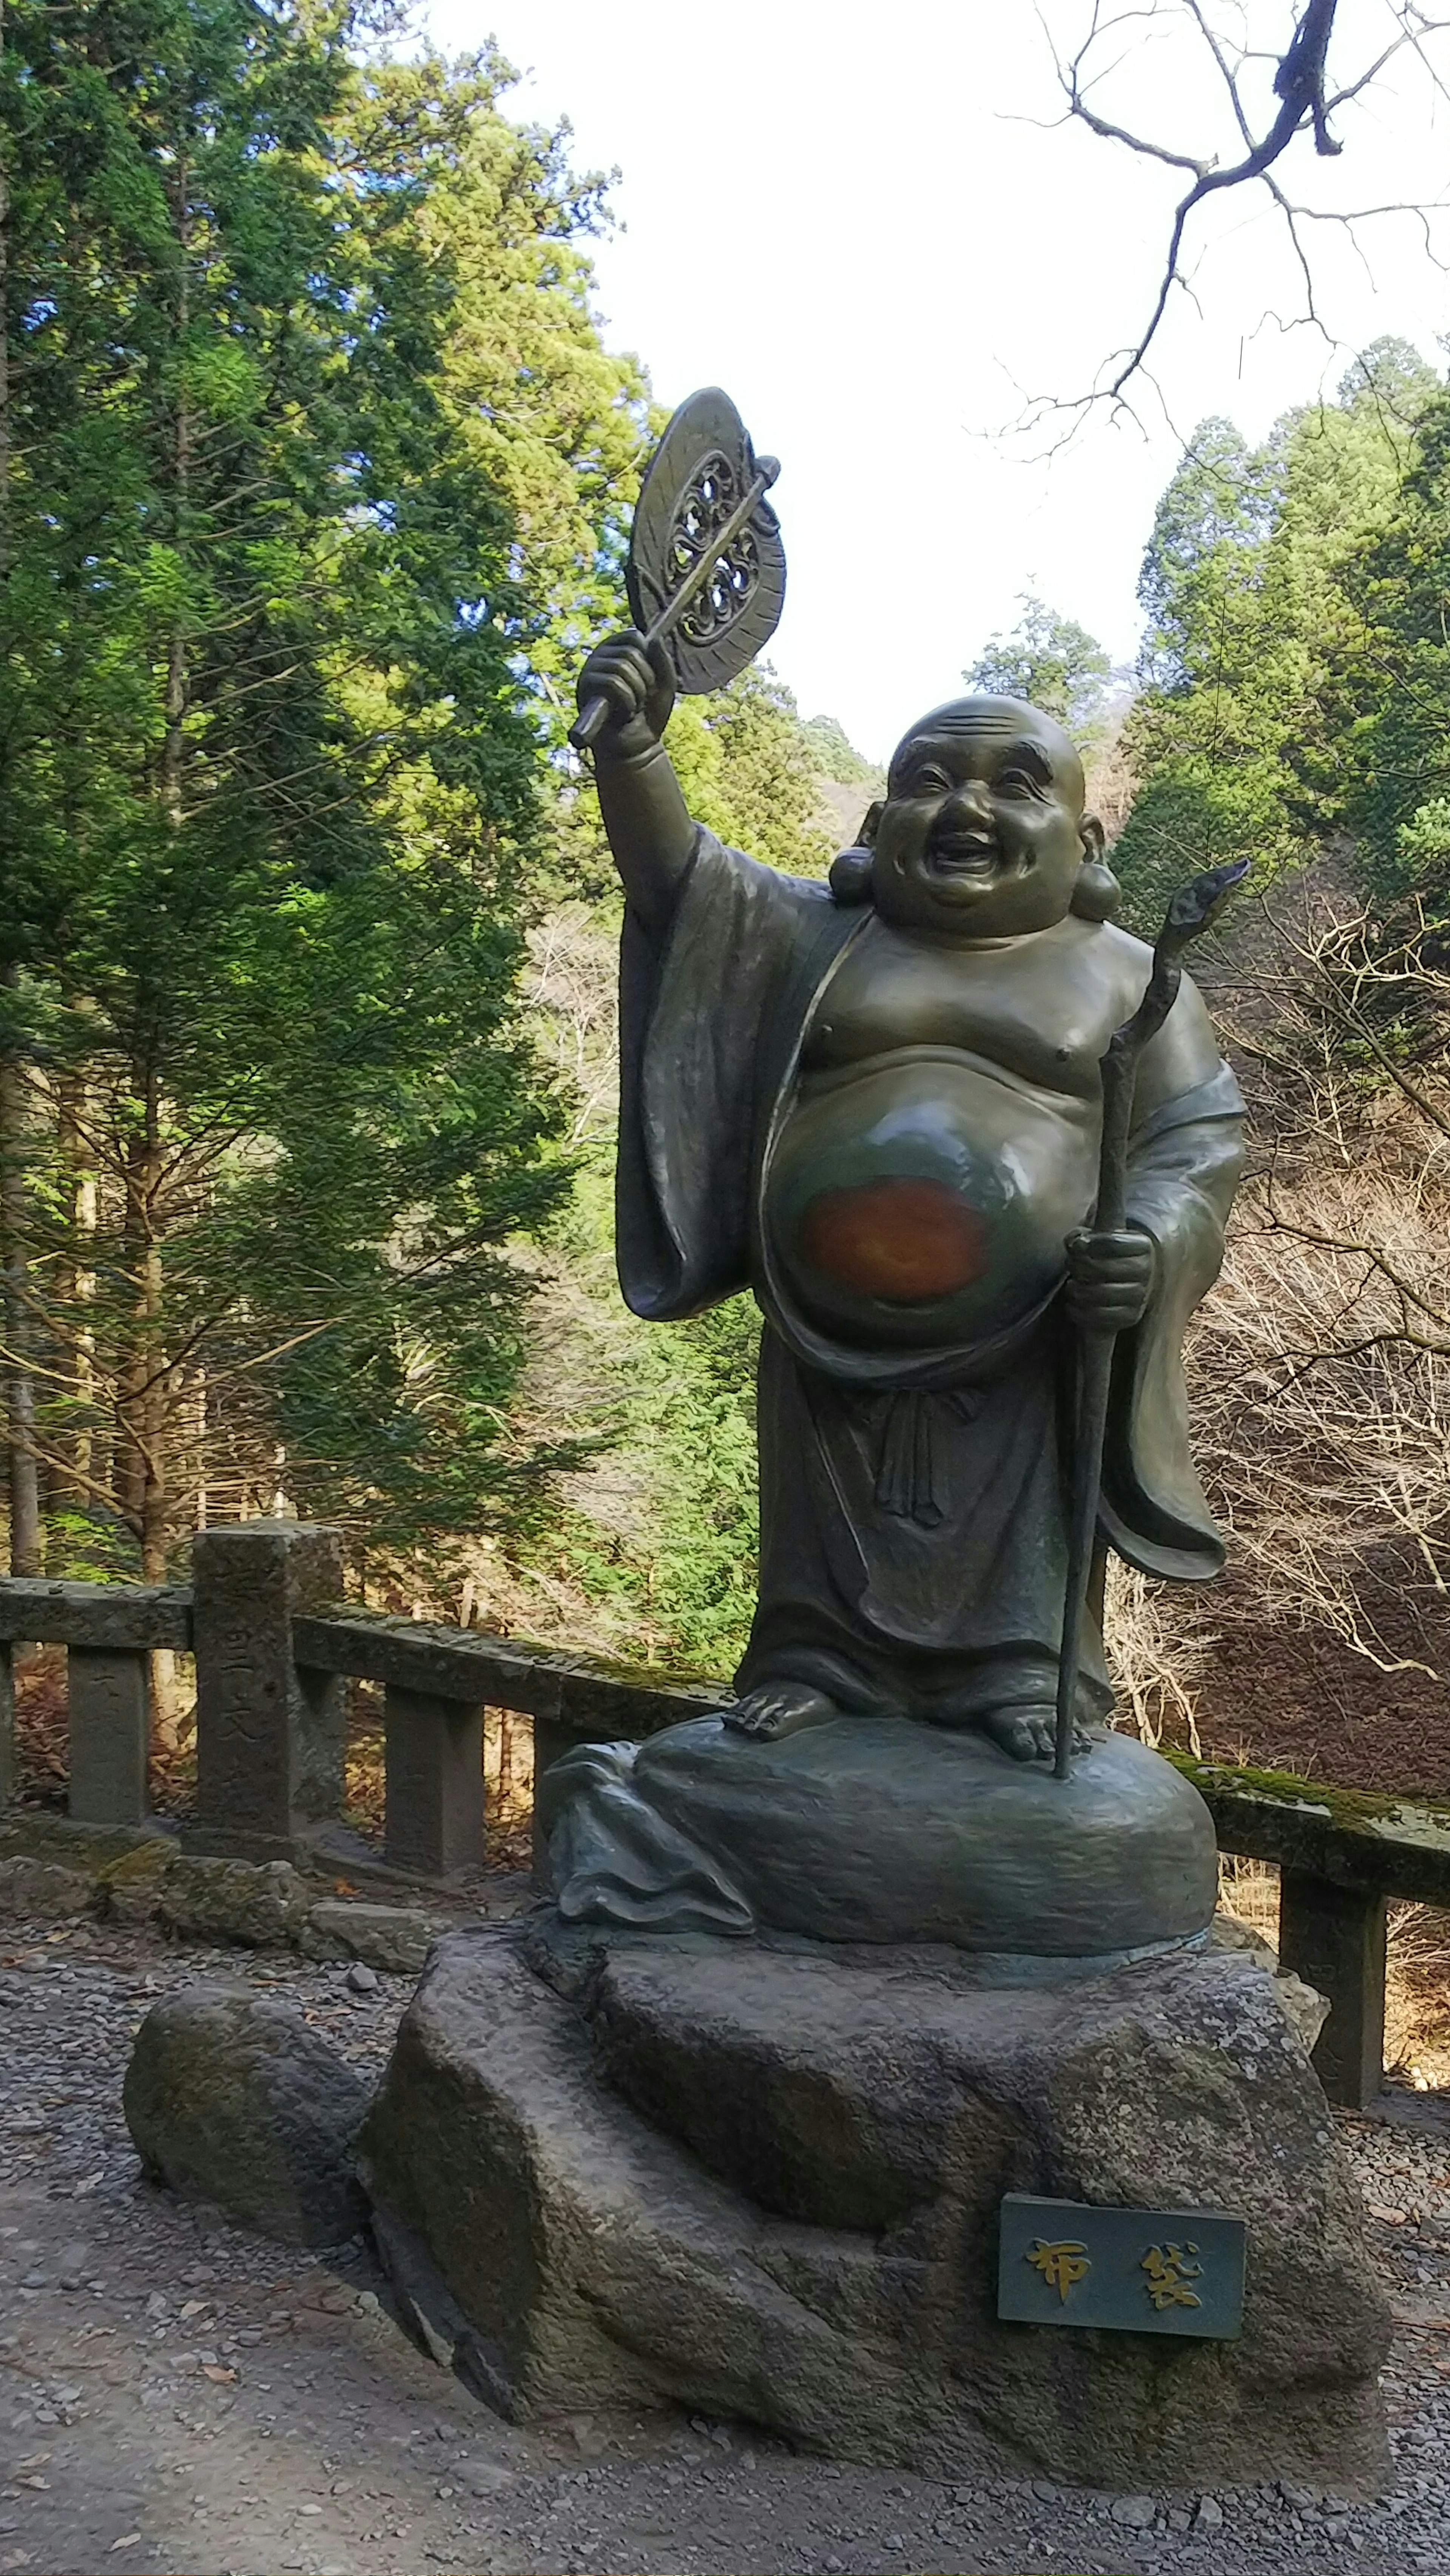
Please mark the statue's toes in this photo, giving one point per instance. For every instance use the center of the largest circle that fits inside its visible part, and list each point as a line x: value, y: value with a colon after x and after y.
x: 769, y: 1714
x: 760, y: 1714
x: 749, y: 1721
x: 1019, y: 1732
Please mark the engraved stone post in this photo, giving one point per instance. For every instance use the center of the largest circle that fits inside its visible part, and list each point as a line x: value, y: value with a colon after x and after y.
x: 270, y: 1733
x: 110, y: 1714
x: 434, y: 1757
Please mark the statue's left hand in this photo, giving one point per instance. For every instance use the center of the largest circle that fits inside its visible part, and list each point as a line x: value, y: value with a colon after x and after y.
x: 1109, y: 1278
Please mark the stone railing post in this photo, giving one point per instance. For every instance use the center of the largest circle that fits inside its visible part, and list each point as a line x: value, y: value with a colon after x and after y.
x: 110, y: 1729
x: 7, y: 1720
x: 434, y: 1755
x: 270, y: 1733
x: 1334, y: 1938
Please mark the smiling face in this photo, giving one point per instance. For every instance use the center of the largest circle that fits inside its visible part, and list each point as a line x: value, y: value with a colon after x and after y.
x: 982, y: 833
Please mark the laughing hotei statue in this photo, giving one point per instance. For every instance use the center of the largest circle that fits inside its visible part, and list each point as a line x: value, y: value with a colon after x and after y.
x: 862, y: 1997
x: 877, y: 1104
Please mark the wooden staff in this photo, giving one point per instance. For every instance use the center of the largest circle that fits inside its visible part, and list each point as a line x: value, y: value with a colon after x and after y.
x: 1193, y: 908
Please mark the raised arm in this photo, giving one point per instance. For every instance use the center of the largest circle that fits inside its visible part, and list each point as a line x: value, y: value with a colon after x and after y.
x: 649, y: 828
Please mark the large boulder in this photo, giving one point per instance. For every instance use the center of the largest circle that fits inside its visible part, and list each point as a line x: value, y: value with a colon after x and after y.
x: 232, y: 2097
x: 765, y: 2181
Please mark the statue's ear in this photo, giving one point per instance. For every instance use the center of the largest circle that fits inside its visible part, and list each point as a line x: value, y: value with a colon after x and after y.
x: 1097, y: 893
x: 850, y: 877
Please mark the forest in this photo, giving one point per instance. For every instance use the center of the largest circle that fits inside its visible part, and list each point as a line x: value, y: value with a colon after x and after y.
x: 315, y: 474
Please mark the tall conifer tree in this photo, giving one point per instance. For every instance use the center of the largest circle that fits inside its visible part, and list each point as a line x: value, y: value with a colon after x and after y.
x: 271, y: 771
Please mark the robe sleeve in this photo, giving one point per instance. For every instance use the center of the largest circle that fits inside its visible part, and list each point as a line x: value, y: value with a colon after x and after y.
x: 694, y: 1009
x: 1185, y: 1159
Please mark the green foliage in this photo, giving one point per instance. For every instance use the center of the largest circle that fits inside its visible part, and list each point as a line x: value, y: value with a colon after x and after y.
x: 1398, y: 581
x: 1053, y: 663
x: 1257, y: 653
x: 683, y: 1589
x: 312, y: 433
x: 1422, y: 847
x: 836, y: 757
x: 748, y: 770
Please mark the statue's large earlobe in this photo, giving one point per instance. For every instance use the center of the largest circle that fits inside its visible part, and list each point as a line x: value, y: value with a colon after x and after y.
x: 1097, y: 894
x: 850, y: 877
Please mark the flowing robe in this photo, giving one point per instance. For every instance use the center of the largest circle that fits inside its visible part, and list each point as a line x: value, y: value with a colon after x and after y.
x: 913, y: 1495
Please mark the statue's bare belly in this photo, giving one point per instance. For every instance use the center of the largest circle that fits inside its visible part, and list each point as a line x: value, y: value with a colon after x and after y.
x: 923, y: 1197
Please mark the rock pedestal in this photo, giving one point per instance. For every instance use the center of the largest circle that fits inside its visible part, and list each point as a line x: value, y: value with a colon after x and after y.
x: 763, y: 2180
x: 867, y: 1829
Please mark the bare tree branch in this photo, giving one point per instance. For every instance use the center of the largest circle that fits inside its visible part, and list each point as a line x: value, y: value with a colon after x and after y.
x: 1306, y: 101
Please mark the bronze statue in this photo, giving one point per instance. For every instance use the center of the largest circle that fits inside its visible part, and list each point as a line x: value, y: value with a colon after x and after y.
x: 877, y: 1104
x: 880, y: 1104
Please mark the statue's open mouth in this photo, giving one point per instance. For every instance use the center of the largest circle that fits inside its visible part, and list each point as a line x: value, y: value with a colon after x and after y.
x: 963, y: 854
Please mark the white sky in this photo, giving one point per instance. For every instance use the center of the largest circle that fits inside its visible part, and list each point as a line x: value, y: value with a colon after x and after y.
x: 839, y: 213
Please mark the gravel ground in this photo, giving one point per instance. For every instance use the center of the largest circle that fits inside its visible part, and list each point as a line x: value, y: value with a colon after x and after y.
x: 177, y: 2396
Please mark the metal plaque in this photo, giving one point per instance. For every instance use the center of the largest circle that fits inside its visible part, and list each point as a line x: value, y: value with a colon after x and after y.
x: 1143, y: 2271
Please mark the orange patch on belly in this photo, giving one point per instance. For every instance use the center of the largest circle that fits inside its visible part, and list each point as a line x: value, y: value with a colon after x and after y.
x: 901, y: 1239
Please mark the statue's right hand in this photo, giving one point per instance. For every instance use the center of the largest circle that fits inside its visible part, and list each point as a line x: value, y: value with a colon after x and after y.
x: 637, y: 683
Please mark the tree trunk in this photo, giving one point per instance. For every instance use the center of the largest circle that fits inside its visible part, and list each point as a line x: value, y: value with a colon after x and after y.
x: 25, y: 1531
x: 25, y: 1544
x: 174, y: 740
x: 5, y: 431
x: 75, y: 1289
x: 143, y: 1406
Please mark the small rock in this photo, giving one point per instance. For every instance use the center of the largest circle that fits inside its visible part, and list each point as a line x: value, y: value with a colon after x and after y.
x: 1299, y: 2499
x: 1136, y: 2511
x: 361, y: 1979
x: 41, y: 1889
x: 484, y: 2477
x: 1304, y: 2008
x: 130, y: 1887
x: 1230, y: 1932
x: 232, y: 2097
x: 394, y: 1939
x: 1209, y: 2516
x: 260, y: 1904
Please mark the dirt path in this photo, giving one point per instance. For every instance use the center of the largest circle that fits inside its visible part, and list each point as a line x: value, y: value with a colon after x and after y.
x: 175, y: 2396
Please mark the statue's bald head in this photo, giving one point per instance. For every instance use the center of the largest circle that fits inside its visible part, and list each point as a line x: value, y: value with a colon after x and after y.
x: 997, y: 719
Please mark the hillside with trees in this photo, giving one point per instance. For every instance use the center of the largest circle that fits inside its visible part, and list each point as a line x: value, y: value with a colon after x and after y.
x: 315, y: 471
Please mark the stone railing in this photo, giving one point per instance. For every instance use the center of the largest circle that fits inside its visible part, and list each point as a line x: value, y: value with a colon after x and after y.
x: 275, y: 1644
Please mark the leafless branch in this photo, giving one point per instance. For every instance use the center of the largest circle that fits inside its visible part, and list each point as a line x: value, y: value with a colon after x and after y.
x: 1306, y: 102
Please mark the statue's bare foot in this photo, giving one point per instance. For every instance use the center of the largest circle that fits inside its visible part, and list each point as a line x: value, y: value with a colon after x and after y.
x: 778, y: 1709
x: 1029, y: 1734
